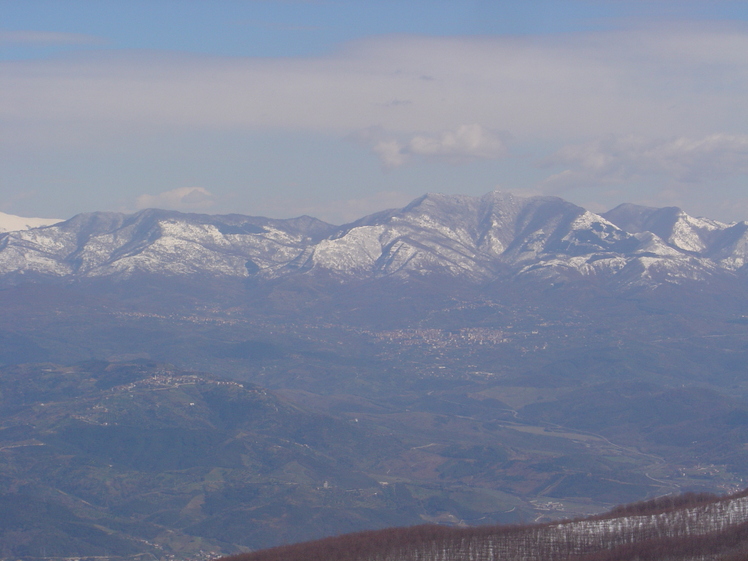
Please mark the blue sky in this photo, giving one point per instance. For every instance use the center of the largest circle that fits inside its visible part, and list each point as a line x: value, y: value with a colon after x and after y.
x: 338, y: 109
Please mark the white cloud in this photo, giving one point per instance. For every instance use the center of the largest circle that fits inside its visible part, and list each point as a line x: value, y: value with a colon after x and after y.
x: 467, y: 142
x: 464, y: 144
x: 182, y: 198
x: 391, y: 152
x: 614, y: 159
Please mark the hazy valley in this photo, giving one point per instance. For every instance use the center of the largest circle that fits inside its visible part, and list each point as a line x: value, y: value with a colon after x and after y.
x: 189, y: 385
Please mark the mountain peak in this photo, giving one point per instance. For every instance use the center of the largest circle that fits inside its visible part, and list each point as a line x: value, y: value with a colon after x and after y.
x: 630, y: 217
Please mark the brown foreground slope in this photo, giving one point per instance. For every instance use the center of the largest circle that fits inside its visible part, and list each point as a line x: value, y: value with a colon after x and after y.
x: 685, y: 528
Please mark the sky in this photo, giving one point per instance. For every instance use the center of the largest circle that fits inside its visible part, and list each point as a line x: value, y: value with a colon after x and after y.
x: 337, y: 109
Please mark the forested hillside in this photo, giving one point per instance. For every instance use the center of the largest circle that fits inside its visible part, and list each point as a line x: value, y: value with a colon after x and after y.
x: 689, y: 527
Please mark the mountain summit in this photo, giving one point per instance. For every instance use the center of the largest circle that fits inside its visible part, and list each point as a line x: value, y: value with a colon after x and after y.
x: 478, y: 239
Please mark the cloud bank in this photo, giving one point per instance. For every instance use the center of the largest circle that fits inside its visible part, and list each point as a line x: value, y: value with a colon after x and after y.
x: 592, y: 109
x: 615, y: 160
x: 652, y: 82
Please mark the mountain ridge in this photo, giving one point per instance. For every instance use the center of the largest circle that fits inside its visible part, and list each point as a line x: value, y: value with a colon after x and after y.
x: 477, y: 239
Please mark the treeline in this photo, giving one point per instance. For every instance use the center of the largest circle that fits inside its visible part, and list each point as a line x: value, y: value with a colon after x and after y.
x: 727, y: 545
x: 684, y: 528
x: 665, y: 504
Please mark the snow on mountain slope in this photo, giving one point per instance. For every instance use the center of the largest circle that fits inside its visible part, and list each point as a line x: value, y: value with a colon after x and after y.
x: 433, y: 233
x: 158, y: 242
x: 11, y: 222
x: 671, y: 224
x: 475, y: 238
x: 472, y: 237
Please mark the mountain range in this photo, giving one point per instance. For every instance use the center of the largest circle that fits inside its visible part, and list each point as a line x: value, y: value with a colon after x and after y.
x: 478, y: 239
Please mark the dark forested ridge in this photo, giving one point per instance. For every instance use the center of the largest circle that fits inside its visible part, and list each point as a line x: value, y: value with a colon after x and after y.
x: 688, y: 527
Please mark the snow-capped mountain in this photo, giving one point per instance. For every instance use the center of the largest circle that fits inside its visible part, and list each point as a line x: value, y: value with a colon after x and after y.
x: 160, y: 242
x: 475, y: 238
x: 11, y: 222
